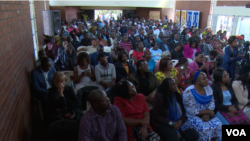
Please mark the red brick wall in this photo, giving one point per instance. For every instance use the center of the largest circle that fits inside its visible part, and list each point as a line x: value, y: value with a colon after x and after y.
x: 202, y: 6
x: 166, y: 11
x: 16, y: 61
x: 232, y: 3
x: 144, y: 12
x: 71, y: 12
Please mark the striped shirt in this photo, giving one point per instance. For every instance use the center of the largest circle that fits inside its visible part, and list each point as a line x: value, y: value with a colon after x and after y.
x: 126, y: 45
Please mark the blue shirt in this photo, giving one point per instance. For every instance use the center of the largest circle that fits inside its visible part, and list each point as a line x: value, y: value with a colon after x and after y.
x: 158, y: 40
x: 151, y: 65
x: 227, y: 98
x: 156, y: 54
x: 94, y: 60
x: 66, y: 33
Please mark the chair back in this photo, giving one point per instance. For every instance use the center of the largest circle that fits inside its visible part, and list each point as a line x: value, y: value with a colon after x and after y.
x: 83, y: 94
x: 189, y: 60
x: 131, y: 56
x: 69, y: 75
x: 174, y: 62
x: 107, y: 49
x: 63, y: 130
x: 111, y: 93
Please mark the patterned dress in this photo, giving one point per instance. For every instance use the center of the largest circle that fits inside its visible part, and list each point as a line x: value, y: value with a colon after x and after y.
x: 160, y: 75
x: 206, y: 130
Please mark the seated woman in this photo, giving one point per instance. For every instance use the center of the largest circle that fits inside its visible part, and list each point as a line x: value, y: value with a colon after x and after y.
x: 177, y: 52
x: 226, y: 101
x: 165, y: 54
x: 184, y: 72
x: 84, y: 74
x: 134, y: 110
x: 241, y: 89
x: 155, y: 52
x: 198, y: 65
x: 125, y: 43
x: 169, y: 118
x: 199, y: 104
x: 191, y: 49
x: 166, y: 70
x: 150, y: 62
x: 144, y: 81
x: 122, y: 67
x: 105, y: 73
x: 138, y: 54
x: 116, y: 50
x: 63, y: 103
x: 216, y: 45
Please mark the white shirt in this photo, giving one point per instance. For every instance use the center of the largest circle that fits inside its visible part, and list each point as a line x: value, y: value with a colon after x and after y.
x: 46, y: 78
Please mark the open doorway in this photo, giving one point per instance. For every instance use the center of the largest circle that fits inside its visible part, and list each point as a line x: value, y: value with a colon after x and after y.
x: 107, y: 14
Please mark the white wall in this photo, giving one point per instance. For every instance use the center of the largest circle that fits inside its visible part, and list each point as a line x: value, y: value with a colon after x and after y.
x: 116, y: 3
x: 231, y: 10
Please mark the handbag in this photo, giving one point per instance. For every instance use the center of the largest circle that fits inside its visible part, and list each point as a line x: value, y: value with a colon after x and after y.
x: 236, y: 119
x: 152, y: 136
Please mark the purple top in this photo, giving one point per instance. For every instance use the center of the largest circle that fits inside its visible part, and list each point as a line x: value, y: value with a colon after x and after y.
x: 110, y: 127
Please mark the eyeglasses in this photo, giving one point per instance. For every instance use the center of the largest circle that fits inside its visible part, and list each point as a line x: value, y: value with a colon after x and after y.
x: 145, y: 65
x: 226, y: 75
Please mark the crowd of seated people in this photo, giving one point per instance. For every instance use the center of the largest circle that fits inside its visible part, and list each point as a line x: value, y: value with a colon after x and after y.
x: 167, y: 84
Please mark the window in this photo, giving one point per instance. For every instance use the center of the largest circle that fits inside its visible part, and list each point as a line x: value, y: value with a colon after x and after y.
x: 34, y: 28
x: 243, y: 27
x: 210, y: 16
x: 225, y: 23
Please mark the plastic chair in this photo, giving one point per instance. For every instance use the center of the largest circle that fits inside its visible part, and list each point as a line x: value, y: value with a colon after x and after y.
x: 69, y: 75
x: 107, y: 49
x: 111, y: 93
x: 83, y: 94
x: 174, y: 62
x: 63, y: 130
x: 189, y: 60
x: 131, y: 56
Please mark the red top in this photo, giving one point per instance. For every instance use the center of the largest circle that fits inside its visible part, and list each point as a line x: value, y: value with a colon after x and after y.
x: 132, y: 109
x: 183, y: 79
x: 138, y: 55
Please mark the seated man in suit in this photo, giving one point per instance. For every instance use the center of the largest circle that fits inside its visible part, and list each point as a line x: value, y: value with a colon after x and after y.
x: 93, y: 56
x: 41, y: 78
x: 163, y: 44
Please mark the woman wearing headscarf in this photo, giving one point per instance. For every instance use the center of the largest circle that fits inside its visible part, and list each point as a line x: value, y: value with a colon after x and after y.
x: 199, y: 104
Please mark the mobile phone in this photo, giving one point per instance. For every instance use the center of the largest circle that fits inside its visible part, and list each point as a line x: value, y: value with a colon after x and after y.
x: 87, y: 70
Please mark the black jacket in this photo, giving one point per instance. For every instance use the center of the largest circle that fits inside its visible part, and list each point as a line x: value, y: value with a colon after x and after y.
x: 176, y: 54
x: 162, y: 46
x: 85, y: 42
x: 142, y: 39
x: 172, y: 45
x: 67, y: 104
x: 218, y: 97
x: 121, y: 72
x: 66, y: 61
